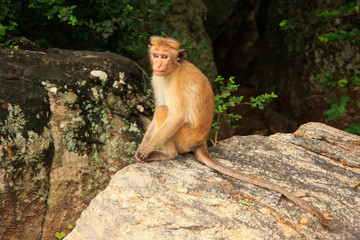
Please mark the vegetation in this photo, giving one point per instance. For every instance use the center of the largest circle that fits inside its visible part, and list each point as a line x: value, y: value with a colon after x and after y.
x: 225, y: 100
x: 338, y: 103
x: 61, y: 235
x: 119, y: 26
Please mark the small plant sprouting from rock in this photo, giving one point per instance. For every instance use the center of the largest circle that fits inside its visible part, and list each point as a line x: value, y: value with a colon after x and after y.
x: 61, y: 235
x: 225, y: 100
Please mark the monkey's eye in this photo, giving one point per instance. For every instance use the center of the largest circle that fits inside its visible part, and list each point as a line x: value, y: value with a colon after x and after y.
x: 155, y: 55
x: 164, y: 56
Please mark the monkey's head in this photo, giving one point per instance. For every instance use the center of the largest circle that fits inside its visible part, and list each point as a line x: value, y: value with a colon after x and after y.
x: 165, y: 55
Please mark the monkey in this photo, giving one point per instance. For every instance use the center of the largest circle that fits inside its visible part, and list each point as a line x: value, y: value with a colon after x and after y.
x: 183, y: 116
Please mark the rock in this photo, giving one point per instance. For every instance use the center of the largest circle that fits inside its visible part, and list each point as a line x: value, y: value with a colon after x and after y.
x: 68, y: 121
x: 185, y: 19
x: 183, y: 199
x: 302, y: 96
x: 233, y: 27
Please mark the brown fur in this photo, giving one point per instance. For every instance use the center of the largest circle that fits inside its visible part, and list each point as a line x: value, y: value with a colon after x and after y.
x: 184, y: 115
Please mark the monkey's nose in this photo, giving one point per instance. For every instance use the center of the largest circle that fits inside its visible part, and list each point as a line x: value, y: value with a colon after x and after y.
x: 157, y: 66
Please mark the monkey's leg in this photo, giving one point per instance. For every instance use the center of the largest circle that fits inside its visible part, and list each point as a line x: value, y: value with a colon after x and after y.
x: 167, y: 150
x: 161, y: 155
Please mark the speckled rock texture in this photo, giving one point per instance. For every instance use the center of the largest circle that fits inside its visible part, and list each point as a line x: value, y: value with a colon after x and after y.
x: 183, y: 199
x: 68, y: 121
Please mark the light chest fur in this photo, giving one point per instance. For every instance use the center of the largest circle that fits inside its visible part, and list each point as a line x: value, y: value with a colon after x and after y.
x: 170, y: 91
x: 161, y: 86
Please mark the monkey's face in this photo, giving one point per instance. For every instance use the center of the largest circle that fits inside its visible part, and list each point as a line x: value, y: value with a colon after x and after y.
x: 163, y: 62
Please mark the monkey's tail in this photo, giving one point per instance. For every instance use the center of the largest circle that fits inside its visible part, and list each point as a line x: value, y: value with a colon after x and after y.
x: 205, y: 157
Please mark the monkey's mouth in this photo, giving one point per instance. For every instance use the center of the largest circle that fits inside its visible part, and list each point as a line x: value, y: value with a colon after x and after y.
x: 159, y: 73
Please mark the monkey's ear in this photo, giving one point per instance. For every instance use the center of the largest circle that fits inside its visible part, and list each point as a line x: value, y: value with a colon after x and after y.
x: 182, y: 55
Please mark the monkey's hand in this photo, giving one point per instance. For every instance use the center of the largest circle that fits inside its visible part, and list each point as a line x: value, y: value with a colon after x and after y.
x: 143, y: 152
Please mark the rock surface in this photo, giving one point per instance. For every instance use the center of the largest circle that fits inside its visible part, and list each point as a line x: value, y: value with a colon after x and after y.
x: 249, y: 44
x: 186, y: 20
x: 68, y: 121
x: 183, y: 199
x: 302, y: 96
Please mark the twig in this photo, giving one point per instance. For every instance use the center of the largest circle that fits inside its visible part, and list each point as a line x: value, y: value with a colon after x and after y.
x: 357, y: 184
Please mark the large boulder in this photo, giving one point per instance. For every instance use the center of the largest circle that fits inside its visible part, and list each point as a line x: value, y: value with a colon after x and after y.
x: 185, y: 19
x: 183, y: 199
x: 68, y: 121
x: 290, y: 62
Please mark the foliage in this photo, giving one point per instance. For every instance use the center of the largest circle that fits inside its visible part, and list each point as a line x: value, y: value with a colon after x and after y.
x: 345, y: 10
x: 7, y: 24
x: 119, y: 26
x: 338, y: 104
x: 225, y: 100
x: 60, y: 235
x: 337, y: 107
x: 341, y: 34
x: 286, y: 25
x: 5, y: 39
x: 261, y: 100
x: 327, y: 79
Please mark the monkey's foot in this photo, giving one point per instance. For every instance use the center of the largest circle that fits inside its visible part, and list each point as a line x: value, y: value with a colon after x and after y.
x: 156, y: 156
x: 138, y: 159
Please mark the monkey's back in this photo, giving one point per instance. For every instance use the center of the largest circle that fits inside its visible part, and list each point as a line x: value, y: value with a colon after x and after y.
x: 197, y: 99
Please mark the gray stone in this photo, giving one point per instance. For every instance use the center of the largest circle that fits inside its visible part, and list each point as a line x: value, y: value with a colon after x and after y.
x: 68, y: 121
x: 183, y: 199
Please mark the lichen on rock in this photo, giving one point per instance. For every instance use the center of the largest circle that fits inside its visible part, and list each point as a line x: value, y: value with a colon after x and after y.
x: 65, y: 130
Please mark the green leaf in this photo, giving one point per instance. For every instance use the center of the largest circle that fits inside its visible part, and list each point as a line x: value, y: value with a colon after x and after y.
x: 245, y: 203
x: 353, y: 128
x: 334, y: 13
x: 283, y: 23
x: 3, y: 30
x: 286, y: 25
x: 323, y: 39
x: 215, y: 125
x: 343, y: 83
x: 225, y: 94
x: 355, y: 79
x: 341, y: 111
x: 232, y: 81
x: 60, y: 235
x: 331, y: 100
x: 344, y: 100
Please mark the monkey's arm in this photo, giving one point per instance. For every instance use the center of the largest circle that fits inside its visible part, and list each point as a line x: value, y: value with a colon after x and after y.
x: 149, y: 133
